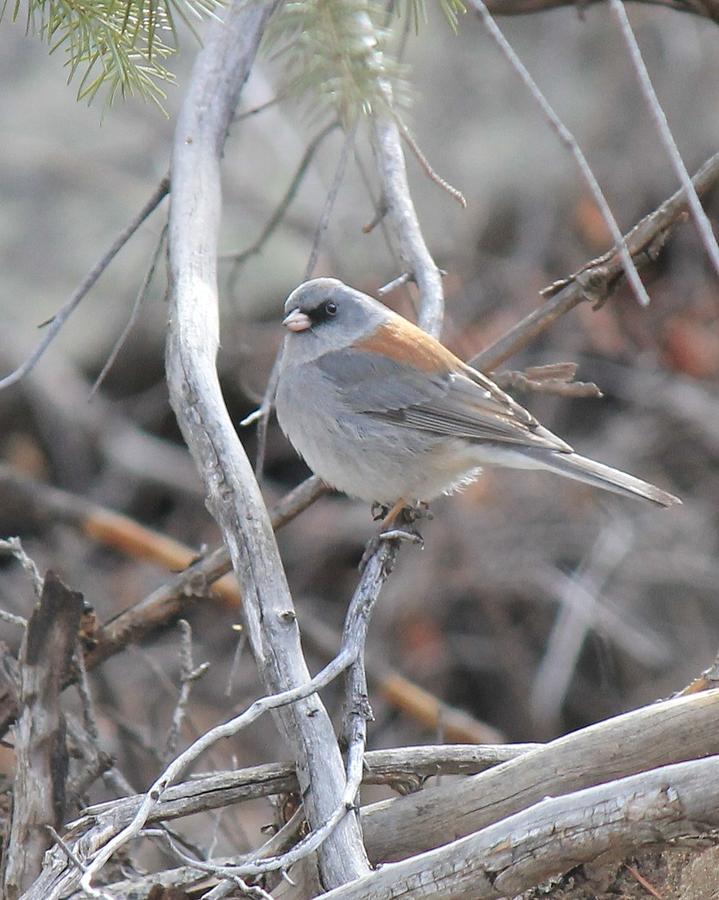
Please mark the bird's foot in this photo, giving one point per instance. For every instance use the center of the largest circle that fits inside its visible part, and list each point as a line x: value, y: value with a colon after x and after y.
x: 399, y: 524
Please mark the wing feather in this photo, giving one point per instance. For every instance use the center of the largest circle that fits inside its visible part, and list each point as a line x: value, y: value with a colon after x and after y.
x: 456, y: 402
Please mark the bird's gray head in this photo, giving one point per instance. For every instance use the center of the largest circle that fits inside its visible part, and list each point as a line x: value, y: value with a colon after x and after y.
x: 328, y: 314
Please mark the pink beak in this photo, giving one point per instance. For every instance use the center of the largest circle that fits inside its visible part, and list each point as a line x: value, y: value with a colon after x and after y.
x: 297, y: 321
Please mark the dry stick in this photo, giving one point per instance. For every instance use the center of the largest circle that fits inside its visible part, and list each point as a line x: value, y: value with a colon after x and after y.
x: 189, y: 674
x: 404, y: 769
x: 233, y: 495
x: 569, y: 141
x: 354, y: 637
x: 134, y: 313
x: 14, y: 547
x: 706, y: 8
x: 54, y: 325
x: 428, y: 170
x: 657, y: 735
x: 42, y: 760
x: 596, y: 279
x: 555, y: 835
x: 701, y: 219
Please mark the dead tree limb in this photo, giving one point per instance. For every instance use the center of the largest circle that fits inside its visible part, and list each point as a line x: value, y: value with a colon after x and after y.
x: 554, y: 835
x: 40, y: 748
x: 657, y: 735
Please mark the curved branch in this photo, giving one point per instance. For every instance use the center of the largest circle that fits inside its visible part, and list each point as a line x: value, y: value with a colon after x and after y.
x: 233, y: 495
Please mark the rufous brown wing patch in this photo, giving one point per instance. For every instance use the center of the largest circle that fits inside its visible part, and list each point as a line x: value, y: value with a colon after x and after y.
x: 406, y: 343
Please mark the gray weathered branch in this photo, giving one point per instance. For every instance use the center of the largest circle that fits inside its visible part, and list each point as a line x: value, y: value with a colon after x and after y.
x: 233, y: 495
x: 661, y: 734
x: 555, y: 835
x: 40, y: 748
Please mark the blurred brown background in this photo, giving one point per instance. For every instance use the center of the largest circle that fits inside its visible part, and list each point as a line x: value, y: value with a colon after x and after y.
x: 537, y: 605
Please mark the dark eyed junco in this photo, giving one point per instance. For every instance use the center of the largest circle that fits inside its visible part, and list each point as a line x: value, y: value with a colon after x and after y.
x: 383, y: 412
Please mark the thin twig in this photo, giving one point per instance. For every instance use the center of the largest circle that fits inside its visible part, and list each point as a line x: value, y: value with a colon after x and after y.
x: 596, y: 279
x: 62, y: 315
x: 330, y: 201
x: 701, y: 220
x: 578, y: 602
x: 14, y: 547
x: 278, y: 215
x: 569, y: 141
x: 66, y: 850
x: 189, y: 673
x: 134, y: 313
x: 428, y: 170
x: 248, y: 113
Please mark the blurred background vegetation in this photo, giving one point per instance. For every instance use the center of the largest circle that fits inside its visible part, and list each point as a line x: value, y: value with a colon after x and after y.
x: 537, y: 605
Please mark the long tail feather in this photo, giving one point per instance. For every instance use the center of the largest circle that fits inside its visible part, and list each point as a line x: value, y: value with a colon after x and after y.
x: 597, y: 474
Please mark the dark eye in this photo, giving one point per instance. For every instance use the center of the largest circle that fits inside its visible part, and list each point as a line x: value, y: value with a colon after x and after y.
x: 331, y: 308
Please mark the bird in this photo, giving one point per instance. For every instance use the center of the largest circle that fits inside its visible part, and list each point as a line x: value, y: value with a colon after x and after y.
x: 385, y: 413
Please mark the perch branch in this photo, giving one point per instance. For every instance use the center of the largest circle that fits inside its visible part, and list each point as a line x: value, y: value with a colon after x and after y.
x: 568, y: 140
x: 63, y: 314
x: 597, y: 279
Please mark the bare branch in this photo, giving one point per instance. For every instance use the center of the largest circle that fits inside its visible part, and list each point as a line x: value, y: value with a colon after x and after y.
x: 63, y: 314
x: 14, y: 547
x: 577, y: 613
x: 189, y: 674
x: 596, y: 279
x: 397, y: 767
x: 330, y: 201
x: 701, y: 219
x: 555, y: 835
x: 39, y: 795
x: 657, y: 735
x: 569, y: 141
x: 233, y: 495
x: 134, y: 312
x: 428, y: 170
